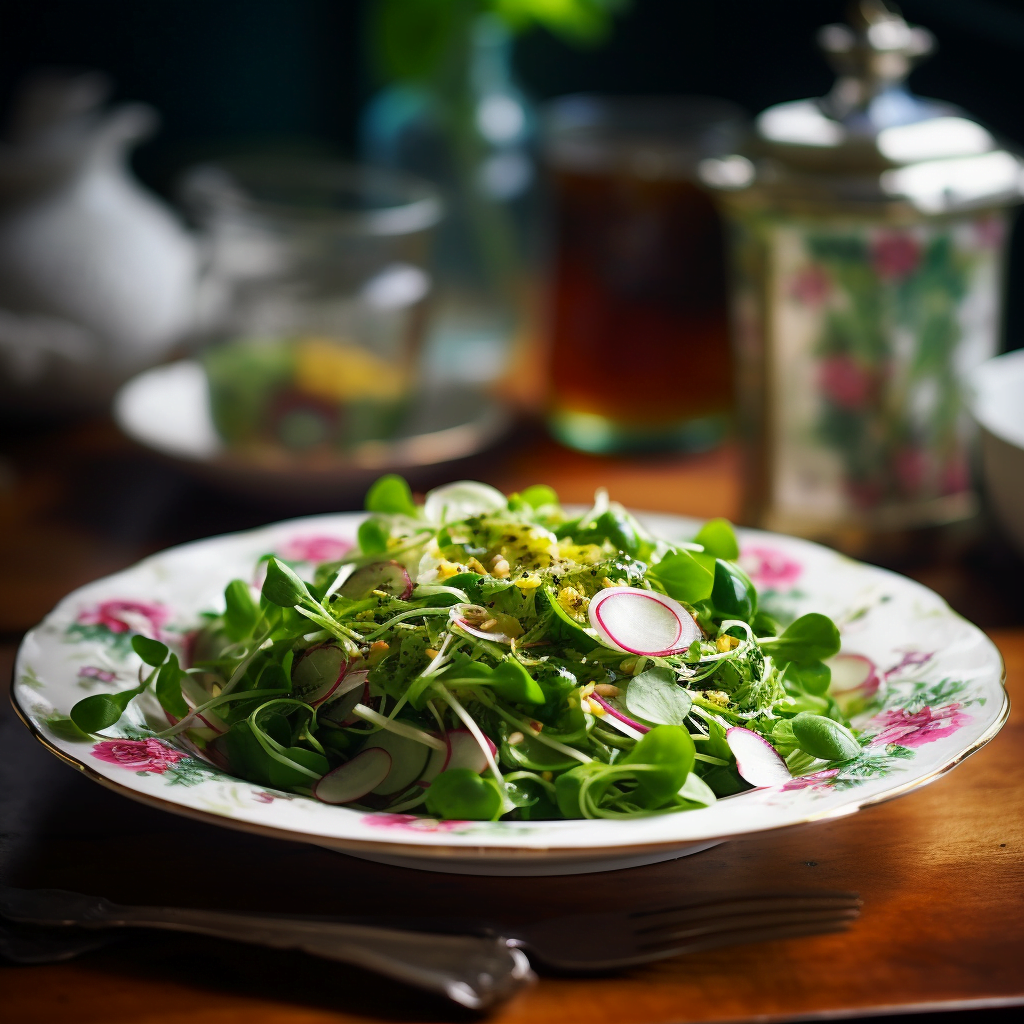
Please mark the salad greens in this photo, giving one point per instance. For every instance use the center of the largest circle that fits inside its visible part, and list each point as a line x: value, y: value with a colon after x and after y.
x: 484, y: 657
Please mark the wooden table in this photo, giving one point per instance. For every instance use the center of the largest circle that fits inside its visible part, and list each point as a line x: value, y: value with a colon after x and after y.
x: 941, y: 871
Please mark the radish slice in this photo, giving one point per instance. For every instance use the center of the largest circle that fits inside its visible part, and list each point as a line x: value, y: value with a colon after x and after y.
x: 465, y: 752
x: 355, y: 778
x: 390, y: 577
x: 436, y: 763
x: 615, y: 713
x: 408, y: 760
x: 642, y: 622
x: 757, y: 760
x: 318, y: 673
x: 349, y: 692
x: 457, y: 616
x: 460, y: 500
x: 852, y: 672
x: 195, y: 695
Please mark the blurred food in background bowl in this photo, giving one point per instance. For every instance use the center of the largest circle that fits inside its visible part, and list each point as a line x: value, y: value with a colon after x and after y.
x: 997, y: 402
x: 315, y: 300
x: 168, y: 411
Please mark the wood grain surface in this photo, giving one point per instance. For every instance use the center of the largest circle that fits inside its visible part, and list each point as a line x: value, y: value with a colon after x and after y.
x: 941, y: 871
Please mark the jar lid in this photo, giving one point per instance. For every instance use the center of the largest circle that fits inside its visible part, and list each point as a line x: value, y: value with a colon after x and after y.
x: 871, y: 140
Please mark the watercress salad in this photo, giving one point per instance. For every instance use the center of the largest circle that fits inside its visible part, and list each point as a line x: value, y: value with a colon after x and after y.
x: 484, y: 657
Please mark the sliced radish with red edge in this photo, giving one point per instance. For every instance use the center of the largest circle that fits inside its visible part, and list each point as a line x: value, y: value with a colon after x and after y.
x: 642, y: 622
x: 457, y: 615
x: 465, y: 752
x: 408, y: 760
x: 195, y: 695
x: 318, y: 673
x: 852, y: 672
x: 757, y: 761
x: 390, y: 577
x: 355, y: 778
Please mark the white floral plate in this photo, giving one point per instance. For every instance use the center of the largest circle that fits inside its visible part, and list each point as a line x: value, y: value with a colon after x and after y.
x: 931, y: 689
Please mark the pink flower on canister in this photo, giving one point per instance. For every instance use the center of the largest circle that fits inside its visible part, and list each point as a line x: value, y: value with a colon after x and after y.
x: 314, y: 549
x: 138, y: 755
x: 770, y: 568
x: 895, y: 256
x: 845, y: 382
x: 812, y: 781
x: 92, y: 672
x: 126, y: 616
x: 924, y: 726
x: 911, y: 466
x: 810, y: 286
x: 410, y: 823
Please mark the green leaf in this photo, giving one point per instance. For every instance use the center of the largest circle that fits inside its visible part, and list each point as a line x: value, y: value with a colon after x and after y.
x: 811, y: 676
x: 241, y: 613
x: 718, y: 539
x: 64, y: 728
x: 152, y: 652
x: 373, y: 536
x: 812, y: 637
x: 733, y: 595
x: 654, y: 696
x: 168, y: 689
x: 101, y: 710
x: 685, y: 576
x: 538, y: 495
x: 390, y: 495
x: 460, y: 793
x: 282, y: 587
x: 671, y: 750
x: 822, y: 737
x: 515, y: 684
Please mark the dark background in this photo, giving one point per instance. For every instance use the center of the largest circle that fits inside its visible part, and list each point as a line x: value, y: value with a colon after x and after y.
x: 227, y: 74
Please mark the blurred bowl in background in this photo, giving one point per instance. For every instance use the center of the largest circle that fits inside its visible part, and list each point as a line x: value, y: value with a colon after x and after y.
x: 997, y: 402
x: 167, y: 410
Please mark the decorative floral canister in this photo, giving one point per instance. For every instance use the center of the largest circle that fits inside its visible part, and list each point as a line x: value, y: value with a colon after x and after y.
x: 868, y: 233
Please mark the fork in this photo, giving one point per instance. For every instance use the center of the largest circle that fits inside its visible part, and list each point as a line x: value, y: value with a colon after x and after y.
x: 472, y: 964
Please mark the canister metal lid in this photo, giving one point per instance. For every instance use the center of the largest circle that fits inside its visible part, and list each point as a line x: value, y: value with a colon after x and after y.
x: 871, y: 141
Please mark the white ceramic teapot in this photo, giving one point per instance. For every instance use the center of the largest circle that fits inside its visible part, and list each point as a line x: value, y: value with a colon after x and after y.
x: 97, y: 277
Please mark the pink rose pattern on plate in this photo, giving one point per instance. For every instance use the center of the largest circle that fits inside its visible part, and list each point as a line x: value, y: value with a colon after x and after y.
x: 410, y: 823
x: 770, y: 568
x: 925, y: 726
x: 314, y: 549
x: 115, y: 622
x: 148, y: 755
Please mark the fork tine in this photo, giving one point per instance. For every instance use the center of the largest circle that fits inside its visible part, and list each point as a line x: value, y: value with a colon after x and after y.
x: 723, y: 939
x: 652, y: 919
x: 670, y: 936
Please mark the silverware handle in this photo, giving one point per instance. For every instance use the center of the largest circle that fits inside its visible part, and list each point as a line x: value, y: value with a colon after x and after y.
x: 474, y: 971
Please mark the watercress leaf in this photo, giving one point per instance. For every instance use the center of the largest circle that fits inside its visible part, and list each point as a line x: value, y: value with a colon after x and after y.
x: 810, y: 676
x: 733, y: 595
x: 461, y: 793
x: 671, y: 750
x: 373, y: 536
x: 101, y: 710
x: 822, y: 737
x: 64, y: 728
x: 515, y: 684
x: 282, y: 587
x: 168, y: 689
x: 696, y: 792
x: 241, y: 612
x: 812, y: 637
x: 719, y: 539
x: 654, y: 696
x: 390, y: 495
x: 539, y: 494
x: 152, y: 652
x: 684, y: 577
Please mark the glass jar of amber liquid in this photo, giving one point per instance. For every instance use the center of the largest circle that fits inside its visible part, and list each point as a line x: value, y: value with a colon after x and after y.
x: 638, y: 337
